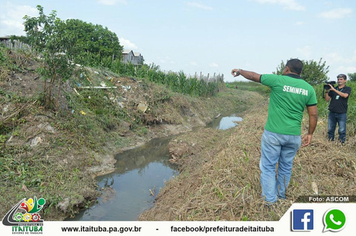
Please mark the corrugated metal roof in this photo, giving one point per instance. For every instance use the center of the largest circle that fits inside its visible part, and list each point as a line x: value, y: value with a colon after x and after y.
x: 5, y: 37
x: 126, y: 51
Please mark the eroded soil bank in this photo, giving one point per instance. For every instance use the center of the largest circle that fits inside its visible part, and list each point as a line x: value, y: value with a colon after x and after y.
x: 55, y: 154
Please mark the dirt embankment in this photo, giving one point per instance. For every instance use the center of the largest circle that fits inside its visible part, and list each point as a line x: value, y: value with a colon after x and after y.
x: 55, y: 154
x: 220, y: 173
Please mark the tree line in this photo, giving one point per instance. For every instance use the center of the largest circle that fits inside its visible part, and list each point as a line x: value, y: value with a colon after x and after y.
x: 314, y: 72
x: 62, y: 44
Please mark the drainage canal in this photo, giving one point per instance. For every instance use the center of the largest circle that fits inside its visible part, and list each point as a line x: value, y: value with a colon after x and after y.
x: 139, y: 175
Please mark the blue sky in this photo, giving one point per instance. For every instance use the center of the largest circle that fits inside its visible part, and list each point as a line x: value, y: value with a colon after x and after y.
x: 214, y: 36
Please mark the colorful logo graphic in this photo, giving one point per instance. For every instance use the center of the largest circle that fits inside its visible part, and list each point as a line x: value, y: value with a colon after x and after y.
x: 25, y: 212
x: 334, y: 220
x: 302, y: 220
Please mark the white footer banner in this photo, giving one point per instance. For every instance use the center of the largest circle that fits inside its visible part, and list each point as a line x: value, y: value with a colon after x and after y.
x: 301, y: 218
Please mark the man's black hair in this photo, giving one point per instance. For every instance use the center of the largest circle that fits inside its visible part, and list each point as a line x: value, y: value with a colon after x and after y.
x: 295, y: 66
x: 342, y: 76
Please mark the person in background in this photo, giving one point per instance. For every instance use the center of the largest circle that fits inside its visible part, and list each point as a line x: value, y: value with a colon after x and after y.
x: 338, y: 98
x: 281, y: 139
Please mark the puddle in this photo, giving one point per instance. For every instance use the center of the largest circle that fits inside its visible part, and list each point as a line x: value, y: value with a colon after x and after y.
x: 139, y: 175
x: 225, y: 122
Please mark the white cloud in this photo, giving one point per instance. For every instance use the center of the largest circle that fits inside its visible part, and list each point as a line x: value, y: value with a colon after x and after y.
x: 287, y: 4
x: 11, y: 19
x: 335, y: 57
x: 199, y: 5
x: 337, y: 13
x: 346, y: 69
x: 166, y: 60
x: 299, y: 23
x: 214, y: 65
x: 127, y: 44
x: 111, y: 2
x: 305, y: 52
x: 193, y: 63
x: 340, y: 63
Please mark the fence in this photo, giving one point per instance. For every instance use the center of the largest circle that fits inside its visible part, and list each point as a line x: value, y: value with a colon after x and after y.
x: 208, y: 78
x: 15, y: 44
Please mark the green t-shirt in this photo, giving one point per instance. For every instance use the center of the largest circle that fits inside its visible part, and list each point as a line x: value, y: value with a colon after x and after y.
x: 289, y: 96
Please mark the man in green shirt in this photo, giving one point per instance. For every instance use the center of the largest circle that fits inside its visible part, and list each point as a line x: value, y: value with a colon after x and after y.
x: 281, y: 139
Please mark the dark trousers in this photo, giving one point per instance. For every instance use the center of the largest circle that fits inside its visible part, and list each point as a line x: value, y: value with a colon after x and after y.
x: 340, y: 119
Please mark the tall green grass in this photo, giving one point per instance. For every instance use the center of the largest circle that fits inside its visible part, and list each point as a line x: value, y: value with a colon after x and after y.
x: 176, y: 81
x: 249, y: 86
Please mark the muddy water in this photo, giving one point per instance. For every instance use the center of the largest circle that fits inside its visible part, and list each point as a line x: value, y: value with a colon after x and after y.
x: 139, y: 175
x: 132, y: 188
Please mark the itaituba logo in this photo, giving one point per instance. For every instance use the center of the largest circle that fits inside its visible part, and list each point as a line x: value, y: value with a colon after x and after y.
x: 24, y: 217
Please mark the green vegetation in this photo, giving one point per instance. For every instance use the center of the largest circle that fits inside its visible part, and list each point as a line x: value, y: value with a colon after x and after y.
x: 352, y: 76
x: 313, y: 72
x: 175, y: 81
x: 52, y: 43
x: 54, y: 153
x: 73, y: 39
x: 9, y: 62
x: 94, y: 123
x: 250, y: 86
x: 179, y: 83
x: 93, y: 45
x: 62, y: 44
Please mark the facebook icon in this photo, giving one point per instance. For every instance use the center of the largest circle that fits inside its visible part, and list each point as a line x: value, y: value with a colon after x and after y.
x: 302, y: 220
